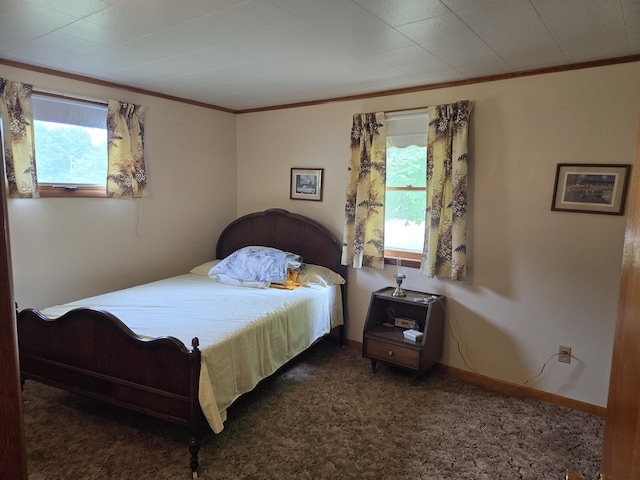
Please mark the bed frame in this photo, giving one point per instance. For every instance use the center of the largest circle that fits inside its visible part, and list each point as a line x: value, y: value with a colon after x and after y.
x: 92, y: 352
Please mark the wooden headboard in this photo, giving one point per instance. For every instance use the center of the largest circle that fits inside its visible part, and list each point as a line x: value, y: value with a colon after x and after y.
x: 286, y: 231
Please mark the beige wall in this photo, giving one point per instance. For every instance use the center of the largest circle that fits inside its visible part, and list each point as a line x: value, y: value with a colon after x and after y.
x: 537, y: 279
x: 66, y: 249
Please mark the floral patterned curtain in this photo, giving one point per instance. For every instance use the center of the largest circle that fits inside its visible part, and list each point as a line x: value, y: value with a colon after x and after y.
x: 19, y: 148
x: 363, y: 243
x: 445, y: 242
x: 126, y: 176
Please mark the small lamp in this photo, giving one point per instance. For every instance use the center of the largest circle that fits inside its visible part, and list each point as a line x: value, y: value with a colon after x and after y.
x: 399, y: 276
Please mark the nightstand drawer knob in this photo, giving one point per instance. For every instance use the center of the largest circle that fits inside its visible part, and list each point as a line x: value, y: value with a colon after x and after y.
x: 390, y: 352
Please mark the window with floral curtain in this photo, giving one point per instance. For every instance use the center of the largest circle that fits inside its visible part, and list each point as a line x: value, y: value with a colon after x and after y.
x: 19, y: 152
x: 126, y: 175
x: 445, y: 243
x: 363, y: 243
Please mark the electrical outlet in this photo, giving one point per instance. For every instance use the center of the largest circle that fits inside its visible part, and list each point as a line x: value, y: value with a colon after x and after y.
x: 564, y: 354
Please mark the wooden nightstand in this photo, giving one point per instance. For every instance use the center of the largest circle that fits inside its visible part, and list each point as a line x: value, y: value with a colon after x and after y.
x: 383, y: 341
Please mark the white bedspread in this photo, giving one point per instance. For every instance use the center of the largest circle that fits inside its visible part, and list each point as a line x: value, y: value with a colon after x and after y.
x: 245, y: 334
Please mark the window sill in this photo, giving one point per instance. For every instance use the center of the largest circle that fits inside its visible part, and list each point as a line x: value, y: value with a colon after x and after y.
x: 64, y: 191
x: 408, y: 259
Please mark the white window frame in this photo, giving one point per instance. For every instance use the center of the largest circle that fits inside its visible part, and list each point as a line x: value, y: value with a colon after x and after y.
x: 404, y: 129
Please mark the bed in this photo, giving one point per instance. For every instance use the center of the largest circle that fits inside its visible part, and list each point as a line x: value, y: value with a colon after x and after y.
x: 89, y: 346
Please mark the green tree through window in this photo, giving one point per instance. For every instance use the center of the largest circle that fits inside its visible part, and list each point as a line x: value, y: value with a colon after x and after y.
x: 405, y: 198
x: 70, y: 154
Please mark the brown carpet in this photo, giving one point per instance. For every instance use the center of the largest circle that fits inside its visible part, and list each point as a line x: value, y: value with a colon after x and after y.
x: 324, y: 416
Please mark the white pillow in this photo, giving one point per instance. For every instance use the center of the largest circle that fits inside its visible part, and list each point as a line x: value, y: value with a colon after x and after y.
x: 257, y: 264
x: 204, y: 268
x: 311, y: 274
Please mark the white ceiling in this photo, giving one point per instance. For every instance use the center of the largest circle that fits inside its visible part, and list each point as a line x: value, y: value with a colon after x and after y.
x: 244, y: 54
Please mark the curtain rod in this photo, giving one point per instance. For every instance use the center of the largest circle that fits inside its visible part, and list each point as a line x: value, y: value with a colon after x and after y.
x: 400, y: 110
x: 45, y: 93
x: 408, y: 110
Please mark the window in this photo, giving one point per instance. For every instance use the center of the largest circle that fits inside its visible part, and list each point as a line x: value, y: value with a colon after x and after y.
x: 71, y: 146
x: 406, y: 190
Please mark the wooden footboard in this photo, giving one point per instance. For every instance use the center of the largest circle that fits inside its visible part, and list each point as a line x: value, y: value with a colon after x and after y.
x: 93, y: 353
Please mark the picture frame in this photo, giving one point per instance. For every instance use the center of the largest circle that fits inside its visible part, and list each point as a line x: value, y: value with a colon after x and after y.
x: 590, y: 188
x: 306, y: 184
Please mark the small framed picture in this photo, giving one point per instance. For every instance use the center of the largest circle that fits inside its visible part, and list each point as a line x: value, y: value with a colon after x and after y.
x: 590, y: 188
x: 306, y: 184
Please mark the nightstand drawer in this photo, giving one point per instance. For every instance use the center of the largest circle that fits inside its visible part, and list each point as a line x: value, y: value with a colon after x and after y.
x: 387, y: 352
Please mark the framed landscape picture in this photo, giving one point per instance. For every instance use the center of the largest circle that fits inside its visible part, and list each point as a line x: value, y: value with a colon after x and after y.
x: 306, y: 184
x: 590, y: 188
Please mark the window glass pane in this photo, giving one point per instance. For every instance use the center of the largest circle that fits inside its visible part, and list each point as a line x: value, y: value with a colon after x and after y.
x: 404, y: 220
x: 407, y: 166
x: 70, y: 154
x: 70, y: 141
